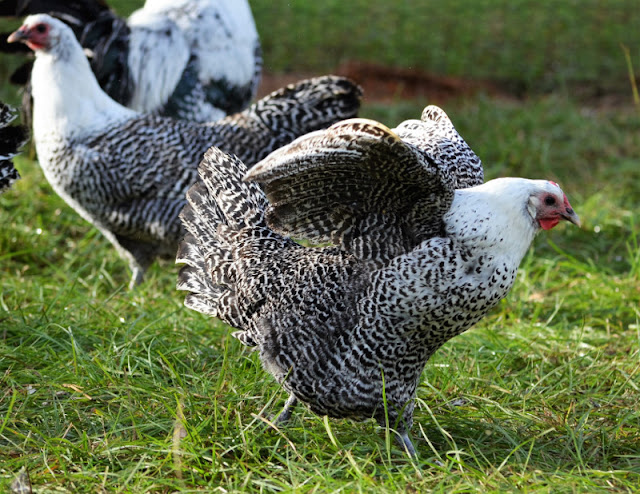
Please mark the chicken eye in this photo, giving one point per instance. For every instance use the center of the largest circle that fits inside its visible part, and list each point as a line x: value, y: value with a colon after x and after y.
x: 550, y: 200
x: 41, y: 28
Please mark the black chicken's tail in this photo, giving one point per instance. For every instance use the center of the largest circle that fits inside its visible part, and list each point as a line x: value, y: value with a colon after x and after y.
x: 12, y: 138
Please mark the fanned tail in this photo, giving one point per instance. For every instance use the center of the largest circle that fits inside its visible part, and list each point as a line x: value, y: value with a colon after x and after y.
x: 221, y: 210
x: 12, y: 138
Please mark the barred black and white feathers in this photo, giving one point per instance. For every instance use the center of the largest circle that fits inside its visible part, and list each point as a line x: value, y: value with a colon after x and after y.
x: 12, y: 138
x: 197, y: 60
x: 422, y: 251
x: 128, y: 173
x: 391, y: 187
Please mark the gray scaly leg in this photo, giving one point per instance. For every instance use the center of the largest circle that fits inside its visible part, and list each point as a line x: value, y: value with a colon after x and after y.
x: 285, y: 415
x: 407, y: 445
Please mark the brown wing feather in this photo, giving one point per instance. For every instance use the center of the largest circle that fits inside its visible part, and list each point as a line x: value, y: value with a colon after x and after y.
x: 356, y: 184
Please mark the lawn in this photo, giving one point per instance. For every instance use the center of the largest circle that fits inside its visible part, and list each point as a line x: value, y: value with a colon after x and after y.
x: 109, y: 390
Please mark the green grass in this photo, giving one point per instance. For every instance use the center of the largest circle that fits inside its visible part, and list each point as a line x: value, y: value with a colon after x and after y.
x: 108, y: 390
x: 531, y: 45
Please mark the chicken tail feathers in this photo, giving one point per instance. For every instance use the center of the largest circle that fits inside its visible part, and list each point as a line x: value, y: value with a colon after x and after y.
x: 221, y: 211
x: 292, y: 111
x: 308, y: 105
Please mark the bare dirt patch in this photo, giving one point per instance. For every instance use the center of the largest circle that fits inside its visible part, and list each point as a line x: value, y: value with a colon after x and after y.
x: 391, y: 84
x: 384, y: 84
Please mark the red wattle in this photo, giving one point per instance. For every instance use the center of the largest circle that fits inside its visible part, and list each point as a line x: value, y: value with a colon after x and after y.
x: 34, y: 45
x: 548, y: 223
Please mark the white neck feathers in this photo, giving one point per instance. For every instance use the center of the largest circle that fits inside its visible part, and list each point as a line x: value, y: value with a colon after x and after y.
x: 494, y: 216
x: 67, y: 99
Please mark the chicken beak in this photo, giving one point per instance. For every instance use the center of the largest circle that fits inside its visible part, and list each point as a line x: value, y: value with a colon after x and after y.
x: 21, y: 34
x: 571, y: 216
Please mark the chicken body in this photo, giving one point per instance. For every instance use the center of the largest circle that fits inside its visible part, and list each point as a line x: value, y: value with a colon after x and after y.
x: 422, y: 251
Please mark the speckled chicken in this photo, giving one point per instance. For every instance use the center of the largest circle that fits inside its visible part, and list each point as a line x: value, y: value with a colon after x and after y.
x: 12, y: 138
x: 197, y: 60
x: 128, y: 173
x: 422, y: 250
